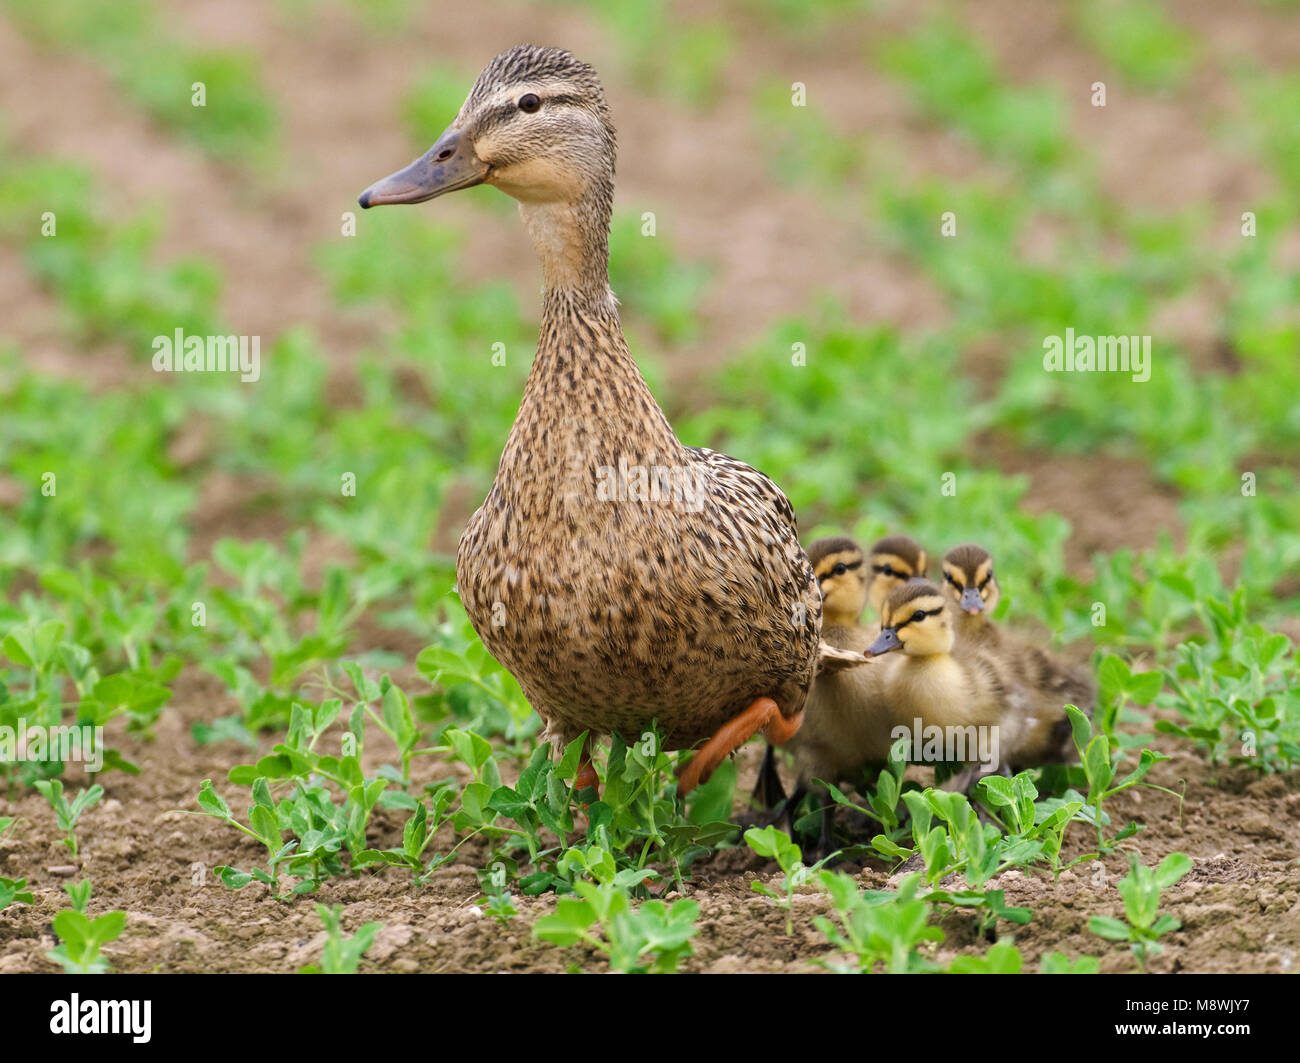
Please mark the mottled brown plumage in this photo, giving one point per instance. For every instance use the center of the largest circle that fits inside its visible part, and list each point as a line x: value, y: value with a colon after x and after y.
x: 611, y: 610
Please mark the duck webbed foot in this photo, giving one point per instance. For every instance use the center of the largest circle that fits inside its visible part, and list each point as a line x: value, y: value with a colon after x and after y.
x: 586, y: 779
x: 763, y: 715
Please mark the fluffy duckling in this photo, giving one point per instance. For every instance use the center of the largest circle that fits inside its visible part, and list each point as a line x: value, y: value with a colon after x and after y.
x: 846, y: 722
x: 1044, y: 732
x: 971, y: 586
x: 956, y: 688
x: 894, y: 560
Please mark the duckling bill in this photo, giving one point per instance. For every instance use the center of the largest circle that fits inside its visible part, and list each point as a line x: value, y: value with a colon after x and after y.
x: 584, y: 600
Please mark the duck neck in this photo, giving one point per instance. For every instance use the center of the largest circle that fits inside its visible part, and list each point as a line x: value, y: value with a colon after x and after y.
x: 586, y: 407
x: 572, y: 243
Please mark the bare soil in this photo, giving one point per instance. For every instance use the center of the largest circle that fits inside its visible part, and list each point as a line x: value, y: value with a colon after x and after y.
x: 1240, y: 906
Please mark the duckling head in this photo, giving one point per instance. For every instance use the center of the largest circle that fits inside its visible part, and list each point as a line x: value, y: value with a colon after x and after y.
x: 536, y: 126
x: 894, y: 560
x: 914, y: 619
x: 968, y: 579
x: 841, y: 574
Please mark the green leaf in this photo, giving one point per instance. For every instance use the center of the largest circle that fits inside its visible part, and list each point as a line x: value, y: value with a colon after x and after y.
x: 108, y: 927
x: 1113, y: 676
x: 1096, y: 764
x: 572, y: 917
x: 265, y: 825
x: 1080, y: 727
x: 1111, y: 929
x: 1172, y: 868
x: 72, y: 927
x: 212, y: 802
x: 1144, y: 686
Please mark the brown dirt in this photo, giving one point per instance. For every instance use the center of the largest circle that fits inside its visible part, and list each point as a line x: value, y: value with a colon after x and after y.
x: 1240, y: 906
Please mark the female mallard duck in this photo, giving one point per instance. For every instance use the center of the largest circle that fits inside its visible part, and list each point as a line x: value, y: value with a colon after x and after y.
x: 621, y: 577
x: 846, y: 721
x: 1044, y: 733
x: 894, y: 560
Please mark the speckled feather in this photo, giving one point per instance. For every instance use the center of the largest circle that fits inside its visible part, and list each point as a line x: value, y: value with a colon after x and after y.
x: 614, y: 613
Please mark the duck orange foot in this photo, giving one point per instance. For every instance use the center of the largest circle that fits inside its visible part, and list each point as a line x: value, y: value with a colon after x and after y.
x: 762, y: 715
x: 586, y: 779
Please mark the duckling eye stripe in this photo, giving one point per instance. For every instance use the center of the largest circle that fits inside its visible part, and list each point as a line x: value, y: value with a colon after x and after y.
x: 985, y: 581
x: 849, y: 566
x: 928, y: 612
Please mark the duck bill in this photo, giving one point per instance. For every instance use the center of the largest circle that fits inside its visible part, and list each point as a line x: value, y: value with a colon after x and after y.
x: 971, y: 602
x: 887, y: 640
x: 447, y: 166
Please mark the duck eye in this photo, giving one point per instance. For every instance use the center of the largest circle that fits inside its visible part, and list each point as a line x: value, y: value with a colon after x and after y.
x: 530, y: 103
x: 918, y: 615
x: 839, y: 569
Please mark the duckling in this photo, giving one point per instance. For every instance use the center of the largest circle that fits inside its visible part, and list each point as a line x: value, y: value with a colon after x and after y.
x: 938, y: 684
x: 1044, y: 732
x: 620, y: 576
x: 846, y: 724
x: 895, y: 559
x: 969, y: 581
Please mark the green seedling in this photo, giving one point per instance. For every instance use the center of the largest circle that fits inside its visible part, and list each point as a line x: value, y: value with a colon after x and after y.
x: 877, y: 928
x: 883, y: 799
x: 81, y: 939
x: 79, y: 894
x: 1002, y: 958
x: 341, y: 955
x: 501, y: 907
x: 638, y: 819
x: 1141, y: 889
x: 67, y: 813
x: 776, y: 845
x: 320, y: 827
x: 951, y: 840
x: 1139, y: 39
x: 263, y: 826
x: 13, y: 891
x: 653, y: 938
x: 1237, y: 696
x: 1014, y: 802
x: 1099, y: 769
x: 1059, y: 963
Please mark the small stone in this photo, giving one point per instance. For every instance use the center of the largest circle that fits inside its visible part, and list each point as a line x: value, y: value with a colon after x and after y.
x: 1257, y: 825
x: 63, y: 870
